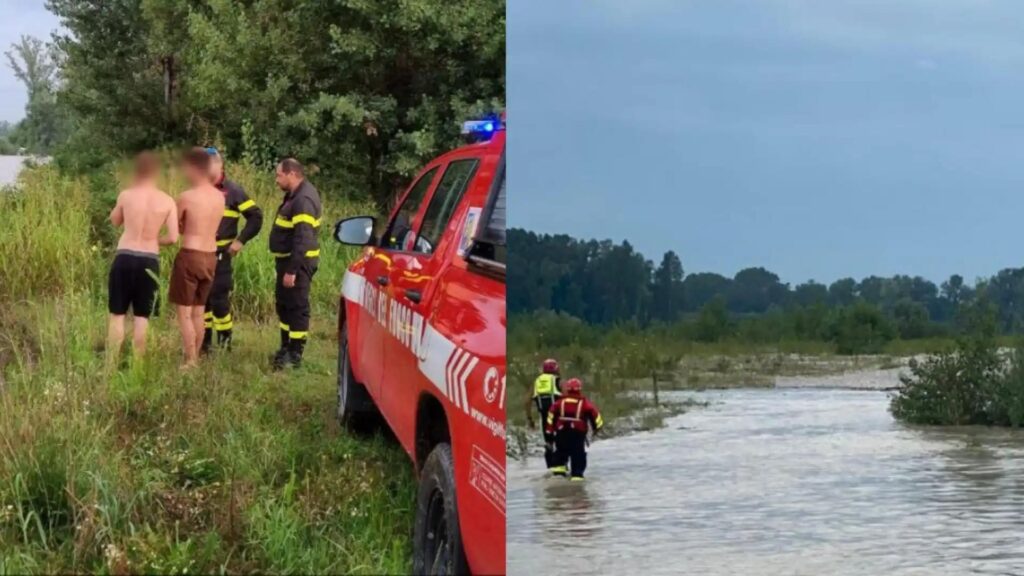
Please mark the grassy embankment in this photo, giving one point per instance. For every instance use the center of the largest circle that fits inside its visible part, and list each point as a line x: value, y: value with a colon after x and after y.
x: 140, y: 469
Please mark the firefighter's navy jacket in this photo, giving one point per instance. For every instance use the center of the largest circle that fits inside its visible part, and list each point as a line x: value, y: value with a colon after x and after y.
x: 573, y: 412
x: 294, y: 233
x: 237, y: 204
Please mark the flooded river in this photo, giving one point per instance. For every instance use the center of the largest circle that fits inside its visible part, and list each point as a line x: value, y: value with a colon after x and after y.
x: 9, y: 168
x: 779, y: 481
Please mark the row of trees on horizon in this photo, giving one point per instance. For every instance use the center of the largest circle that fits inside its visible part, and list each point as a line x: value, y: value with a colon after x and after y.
x: 604, y: 283
x: 363, y: 92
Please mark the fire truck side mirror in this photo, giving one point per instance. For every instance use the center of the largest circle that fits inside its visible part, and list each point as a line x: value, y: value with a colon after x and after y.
x: 356, y: 231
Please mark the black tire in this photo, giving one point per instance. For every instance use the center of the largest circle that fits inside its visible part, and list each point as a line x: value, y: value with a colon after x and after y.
x: 356, y: 410
x: 437, y: 541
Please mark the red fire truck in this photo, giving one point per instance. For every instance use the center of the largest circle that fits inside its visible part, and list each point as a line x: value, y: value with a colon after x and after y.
x: 421, y: 328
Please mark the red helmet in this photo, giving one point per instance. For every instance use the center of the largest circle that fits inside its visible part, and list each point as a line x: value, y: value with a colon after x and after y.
x: 550, y: 366
x: 574, y: 386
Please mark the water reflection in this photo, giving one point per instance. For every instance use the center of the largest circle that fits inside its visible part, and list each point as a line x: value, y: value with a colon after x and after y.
x: 781, y: 482
x: 568, y: 512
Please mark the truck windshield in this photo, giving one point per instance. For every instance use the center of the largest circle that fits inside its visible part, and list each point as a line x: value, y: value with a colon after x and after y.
x: 490, y: 242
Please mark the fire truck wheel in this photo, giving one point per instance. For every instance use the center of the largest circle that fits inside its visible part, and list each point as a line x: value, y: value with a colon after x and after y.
x: 437, y: 542
x: 356, y: 409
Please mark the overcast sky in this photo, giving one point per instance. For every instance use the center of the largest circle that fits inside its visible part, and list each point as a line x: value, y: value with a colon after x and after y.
x: 817, y: 139
x: 18, y: 17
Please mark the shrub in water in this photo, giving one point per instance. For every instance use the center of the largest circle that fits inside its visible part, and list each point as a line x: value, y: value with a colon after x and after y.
x: 953, y: 387
x: 1006, y: 407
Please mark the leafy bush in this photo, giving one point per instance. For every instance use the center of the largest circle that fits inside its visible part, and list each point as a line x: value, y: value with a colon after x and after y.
x: 970, y: 384
x: 952, y: 387
x: 1006, y: 406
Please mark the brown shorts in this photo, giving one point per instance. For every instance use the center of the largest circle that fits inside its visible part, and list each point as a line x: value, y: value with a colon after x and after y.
x: 192, y: 277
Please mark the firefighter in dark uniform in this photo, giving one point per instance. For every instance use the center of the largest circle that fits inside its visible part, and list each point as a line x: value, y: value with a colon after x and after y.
x: 294, y: 244
x: 546, y: 389
x: 230, y: 241
x: 569, y: 419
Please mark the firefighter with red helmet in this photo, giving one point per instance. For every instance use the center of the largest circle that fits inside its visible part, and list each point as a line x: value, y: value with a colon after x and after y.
x: 546, y: 389
x: 569, y: 420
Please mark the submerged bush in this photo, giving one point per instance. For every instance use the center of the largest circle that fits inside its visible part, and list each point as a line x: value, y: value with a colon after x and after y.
x: 953, y: 387
x: 971, y: 384
x: 1006, y: 407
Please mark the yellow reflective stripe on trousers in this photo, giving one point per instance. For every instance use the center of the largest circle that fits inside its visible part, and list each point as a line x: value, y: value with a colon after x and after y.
x: 309, y: 254
x: 231, y: 213
x: 223, y: 327
x: 284, y: 326
x: 307, y: 218
x: 281, y: 254
x: 297, y: 335
x: 246, y: 205
x: 225, y: 242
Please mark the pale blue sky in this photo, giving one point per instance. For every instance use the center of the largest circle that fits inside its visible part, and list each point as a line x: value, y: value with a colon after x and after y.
x: 18, y: 17
x: 817, y: 139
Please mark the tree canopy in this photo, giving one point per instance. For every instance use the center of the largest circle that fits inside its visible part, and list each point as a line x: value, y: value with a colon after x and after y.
x: 604, y: 283
x: 363, y: 92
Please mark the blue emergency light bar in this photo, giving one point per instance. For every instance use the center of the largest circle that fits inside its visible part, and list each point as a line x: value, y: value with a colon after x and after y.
x: 479, y: 127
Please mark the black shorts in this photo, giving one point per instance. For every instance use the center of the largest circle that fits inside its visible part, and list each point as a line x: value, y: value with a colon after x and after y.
x: 133, y: 283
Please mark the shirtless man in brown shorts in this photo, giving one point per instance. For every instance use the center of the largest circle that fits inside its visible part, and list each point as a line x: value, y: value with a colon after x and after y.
x: 143, y: 209
x: 200, y: 209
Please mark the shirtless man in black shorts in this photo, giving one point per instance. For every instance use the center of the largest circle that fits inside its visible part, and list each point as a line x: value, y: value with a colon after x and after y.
x: 143, y: 210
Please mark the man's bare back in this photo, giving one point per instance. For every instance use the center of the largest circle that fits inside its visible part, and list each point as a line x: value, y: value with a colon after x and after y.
x: 200, y: 210
x: 144, y: 210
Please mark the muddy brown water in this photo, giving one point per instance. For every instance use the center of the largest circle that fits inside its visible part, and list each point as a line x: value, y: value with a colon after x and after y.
x: 779, y: 481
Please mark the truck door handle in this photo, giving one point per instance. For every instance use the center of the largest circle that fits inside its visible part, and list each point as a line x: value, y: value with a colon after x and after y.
x: 414, y: 295
x: 382, y: 280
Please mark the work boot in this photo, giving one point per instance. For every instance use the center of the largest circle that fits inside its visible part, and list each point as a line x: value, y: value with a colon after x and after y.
x: 224, y: 340
x: 295, y: 350
x: 207, y: 340
x: 280, y: 360
x: 281, y: 356
x: 558, y: 471
x: 576, y: 479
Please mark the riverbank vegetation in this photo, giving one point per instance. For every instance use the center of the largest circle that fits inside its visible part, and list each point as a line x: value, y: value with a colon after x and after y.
x: 607, y: 286
x: 141, y: 469
x: 977, y: 381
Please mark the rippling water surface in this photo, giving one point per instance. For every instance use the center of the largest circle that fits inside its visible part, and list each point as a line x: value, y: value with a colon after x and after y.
x: 779, y: 481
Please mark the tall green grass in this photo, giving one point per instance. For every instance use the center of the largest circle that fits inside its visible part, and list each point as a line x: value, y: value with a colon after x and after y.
x: 140, y: 468
x: 57, y: 239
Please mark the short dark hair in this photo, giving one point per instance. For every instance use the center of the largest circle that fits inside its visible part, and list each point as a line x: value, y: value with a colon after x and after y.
x: 147, y: 164
x: 292, y: 166
x: 197, y: 158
